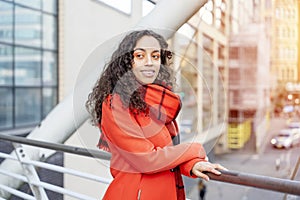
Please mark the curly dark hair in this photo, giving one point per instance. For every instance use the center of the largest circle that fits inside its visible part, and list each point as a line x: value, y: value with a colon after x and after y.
x: 117, y: 76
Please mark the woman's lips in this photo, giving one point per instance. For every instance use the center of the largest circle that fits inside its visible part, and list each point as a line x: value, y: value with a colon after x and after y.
x: 148, y: 73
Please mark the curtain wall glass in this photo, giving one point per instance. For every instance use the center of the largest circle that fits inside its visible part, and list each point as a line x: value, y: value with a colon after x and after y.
x: 28, y: 62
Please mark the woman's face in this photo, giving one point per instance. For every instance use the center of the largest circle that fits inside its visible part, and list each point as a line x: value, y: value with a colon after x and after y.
x: 146, y: 59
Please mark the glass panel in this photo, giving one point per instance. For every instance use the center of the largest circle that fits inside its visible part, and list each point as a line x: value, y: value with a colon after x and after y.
x: 187, y: 31
x: 28, y: 106
x: 49, y: 32
x: 6, y: 65
x: 122, y: 5
x: 50, y: 6
x: 221, y: 101
x: 30, y: 3
x: 188, y: 85
x: 6, y: 108
x: 49, y: 69
x: 49, y: 100
x: 6, y: 22
x: 147, y: 7
x: 208, y: 74
x: 188, y: 114
x: 27, y: 67
x: 28, y: 27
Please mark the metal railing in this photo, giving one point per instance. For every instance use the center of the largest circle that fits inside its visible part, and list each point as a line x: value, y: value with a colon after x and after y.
x: 38, y: 187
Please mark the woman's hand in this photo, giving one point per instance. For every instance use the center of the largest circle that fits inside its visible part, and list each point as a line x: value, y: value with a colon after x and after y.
x: 205, y: 166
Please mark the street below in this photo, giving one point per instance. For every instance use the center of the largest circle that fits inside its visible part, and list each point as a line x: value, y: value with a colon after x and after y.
x: 266, y: 161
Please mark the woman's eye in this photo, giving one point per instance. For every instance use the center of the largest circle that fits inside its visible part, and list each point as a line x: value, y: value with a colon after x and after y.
x: 139, y: 55
x: 156, y: 56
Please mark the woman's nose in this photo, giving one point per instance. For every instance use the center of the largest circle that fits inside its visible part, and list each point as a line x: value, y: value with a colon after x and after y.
x: 149, y: 59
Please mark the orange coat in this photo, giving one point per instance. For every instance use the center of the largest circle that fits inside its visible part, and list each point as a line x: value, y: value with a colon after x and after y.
x: 142, y: 150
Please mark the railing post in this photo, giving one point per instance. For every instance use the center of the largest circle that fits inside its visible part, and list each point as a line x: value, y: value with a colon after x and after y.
x: 30, y: 173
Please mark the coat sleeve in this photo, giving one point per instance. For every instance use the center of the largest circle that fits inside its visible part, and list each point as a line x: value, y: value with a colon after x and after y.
x: 126, y: 139
x: 186, y: 167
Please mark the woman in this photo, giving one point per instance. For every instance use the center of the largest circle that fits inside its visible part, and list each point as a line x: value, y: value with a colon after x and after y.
x: 135, y: 109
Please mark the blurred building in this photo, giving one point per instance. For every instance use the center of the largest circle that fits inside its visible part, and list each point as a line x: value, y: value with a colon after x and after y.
x: 284, y: 39
x: 249, y: 76
x: 45, y: 44
x: 249, y: 86
x: 285, y: 53
x: 263, y: 55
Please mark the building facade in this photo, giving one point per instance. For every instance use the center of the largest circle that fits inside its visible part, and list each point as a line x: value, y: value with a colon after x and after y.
x: 250, y: 81
x: 284, y: 40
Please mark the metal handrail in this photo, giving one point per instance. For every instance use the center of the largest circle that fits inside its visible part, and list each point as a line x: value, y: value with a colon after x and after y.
x: 58, y: 169
x: 16, y: 192
x: 246, y: 179
x: 42, y: 184
x: 58, y: 147
x: 258, y: 181
x: 47, y: 185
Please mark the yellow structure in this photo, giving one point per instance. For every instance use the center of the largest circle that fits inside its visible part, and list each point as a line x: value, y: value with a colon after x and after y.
x: 238, y: 134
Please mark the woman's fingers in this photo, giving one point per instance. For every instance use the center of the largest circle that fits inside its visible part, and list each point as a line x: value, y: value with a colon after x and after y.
x: 201, y: 167
x: 201, y: 175
x: 218, y: 166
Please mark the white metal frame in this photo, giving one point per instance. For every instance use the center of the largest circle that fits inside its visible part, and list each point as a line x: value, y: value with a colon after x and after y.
x: 43, y: 185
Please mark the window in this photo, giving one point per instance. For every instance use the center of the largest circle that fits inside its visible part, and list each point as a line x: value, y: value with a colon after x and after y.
x: 277, y: 13
x: 187, y: 31
x: 28, y: 106
x: 268, y: 4
x: 50, y: 6
x: 206, y: 12
x: 233, y: 53
x: 49, y: 69
x: 6, y: 107
x: 6, y: 21
x: 28, y: 62
x: 27, y: 27
x: 121, y: 5
x: 49, y: 100
x: 6, y: 65
x: 147, y: 7
x: 49, y: 32
x: 30, y: 3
